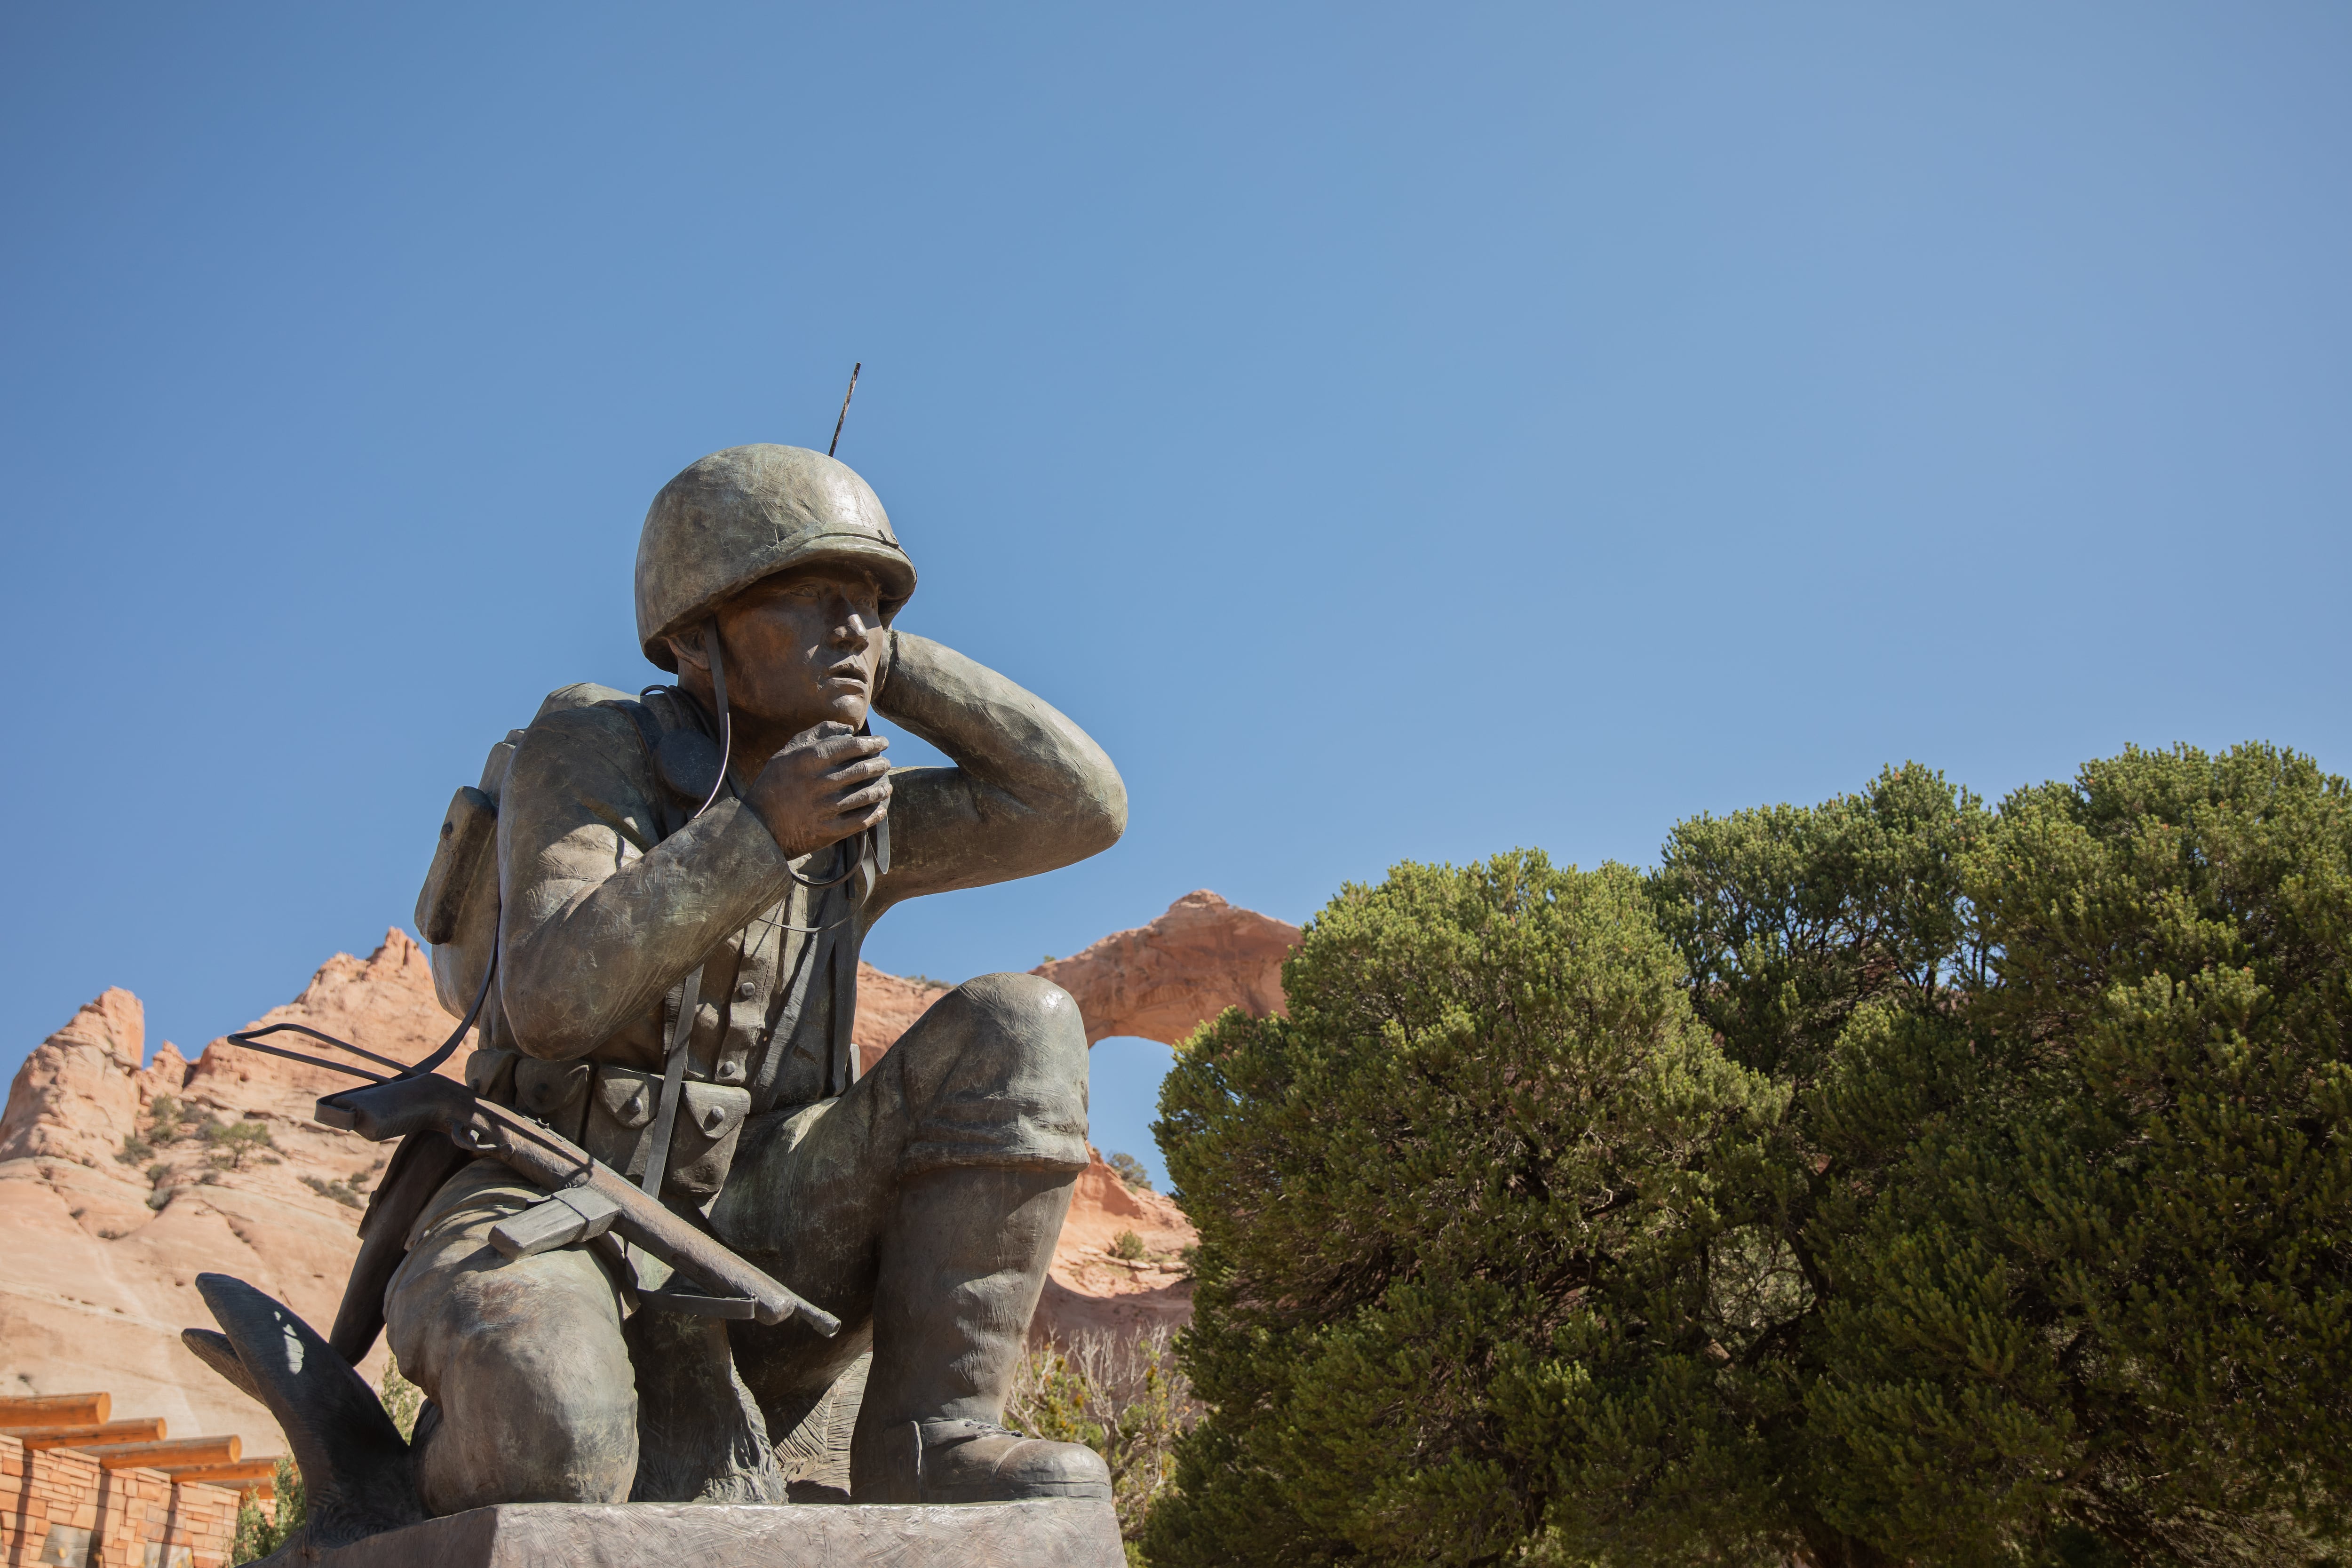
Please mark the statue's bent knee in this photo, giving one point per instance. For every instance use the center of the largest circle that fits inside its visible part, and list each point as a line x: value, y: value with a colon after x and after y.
x: 1019, y: 1018
x: 530, y: 1435
x: 536, y: 1399
x: 997, y: 1074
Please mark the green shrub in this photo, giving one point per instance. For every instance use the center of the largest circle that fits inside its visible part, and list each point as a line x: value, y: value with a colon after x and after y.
x: 1454, y: 1225
x: 1127, y: 1245
x: 401, y: 1400
x: 2104, y: 1288
x: 235, y: 1142
x: 259, y: 1531
x: 1125, y: 1399
x: 2009, y: 1224
x: 343, y: 1189
x: 1131, y: 1171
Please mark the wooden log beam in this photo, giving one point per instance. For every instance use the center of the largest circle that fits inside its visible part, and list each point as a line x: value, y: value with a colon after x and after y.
x: 146, y: 1429
x: 155, y: 1455
x: 256, y: 1476
x: 56, y: 1409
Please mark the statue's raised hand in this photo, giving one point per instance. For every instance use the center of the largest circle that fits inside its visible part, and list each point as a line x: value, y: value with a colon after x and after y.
x: 828, y: 783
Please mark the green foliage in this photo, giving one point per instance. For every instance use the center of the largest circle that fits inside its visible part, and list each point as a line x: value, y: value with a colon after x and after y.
x: 1127, y: 1401
x: 1454, y: 1225
x: 1127, y: 1245
x: 2110, y: 1286
x: 259, y: 1531
x: 1131, y: 1171
x: 166, y: 1116
x: 2027, y: 1242
x: 163, y: 1126
x: 343, y: 1189
x: 235, y: 1142
x: 401, y: 1399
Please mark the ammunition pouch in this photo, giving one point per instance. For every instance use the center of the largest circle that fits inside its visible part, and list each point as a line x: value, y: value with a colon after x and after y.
x: 609, y: 1111
x: 489, y: 1073
x: 620, y: 1129
x: 552, y: 1093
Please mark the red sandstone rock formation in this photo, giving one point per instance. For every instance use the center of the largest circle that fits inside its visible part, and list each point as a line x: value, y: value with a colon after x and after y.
x: 888, y: 1006
x: 104, y: 1240
x: 1159, y: 981
x: 1093, y: 1290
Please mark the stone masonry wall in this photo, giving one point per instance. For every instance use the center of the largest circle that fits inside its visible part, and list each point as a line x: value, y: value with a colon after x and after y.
x: 60, y: 1506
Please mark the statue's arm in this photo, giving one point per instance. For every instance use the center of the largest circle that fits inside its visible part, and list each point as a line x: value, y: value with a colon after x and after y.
x: 593, y: 925
x: 1030, y: 790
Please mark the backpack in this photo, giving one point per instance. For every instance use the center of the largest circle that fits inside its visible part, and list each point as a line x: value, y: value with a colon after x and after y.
x: 457, y: 909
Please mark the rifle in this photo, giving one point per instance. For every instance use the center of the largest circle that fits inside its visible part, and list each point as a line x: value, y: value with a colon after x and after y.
x: 586, y: 1198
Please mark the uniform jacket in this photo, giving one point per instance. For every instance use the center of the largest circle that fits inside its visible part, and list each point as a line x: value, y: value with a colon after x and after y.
x: 602, y: 917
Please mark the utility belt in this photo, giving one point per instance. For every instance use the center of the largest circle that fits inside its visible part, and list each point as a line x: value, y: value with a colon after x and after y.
x: 610, y: 1110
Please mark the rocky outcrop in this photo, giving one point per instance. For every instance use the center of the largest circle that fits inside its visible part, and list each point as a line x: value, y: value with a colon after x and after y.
x: 110, y: 1210
x: 82, y: 1089
x: 111, y: 1216
x: 1159, y: 981
x: 888, y: 1006
x: 1092, y: 1287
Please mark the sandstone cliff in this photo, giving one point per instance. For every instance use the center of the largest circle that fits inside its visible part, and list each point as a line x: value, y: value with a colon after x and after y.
x: 1159, y: 981
x: 109, y: 1219
x: 108, y: 1212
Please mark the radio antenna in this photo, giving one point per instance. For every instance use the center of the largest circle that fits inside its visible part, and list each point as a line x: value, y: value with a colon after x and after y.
x: 845, y: 405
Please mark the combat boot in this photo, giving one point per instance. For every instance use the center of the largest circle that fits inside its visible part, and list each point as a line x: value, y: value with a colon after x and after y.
x: 962, y: 1268
x: 979, y: 1461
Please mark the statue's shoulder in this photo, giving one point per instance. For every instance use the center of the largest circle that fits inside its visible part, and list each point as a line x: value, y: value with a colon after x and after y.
x: 587, y: 721
x: 589, y: 712
x: 651, y: 747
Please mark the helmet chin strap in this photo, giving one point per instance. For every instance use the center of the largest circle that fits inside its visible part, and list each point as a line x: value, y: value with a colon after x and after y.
x: 726, y: 721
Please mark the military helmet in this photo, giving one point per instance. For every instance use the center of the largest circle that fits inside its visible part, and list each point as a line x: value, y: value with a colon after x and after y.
x: 749, y: 512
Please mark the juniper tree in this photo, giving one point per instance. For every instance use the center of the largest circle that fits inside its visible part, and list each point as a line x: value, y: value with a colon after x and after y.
x: 1904, y: 1183
x: 2103, y: 1305
x: 1452, y: 1221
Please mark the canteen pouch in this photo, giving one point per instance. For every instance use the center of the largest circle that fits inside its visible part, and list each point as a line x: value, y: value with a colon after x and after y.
x: 552, y: 1093
x: 701, y: 1143
x: 621, y: 1118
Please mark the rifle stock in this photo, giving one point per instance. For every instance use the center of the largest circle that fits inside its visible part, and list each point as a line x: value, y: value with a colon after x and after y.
x: 382, y: 1112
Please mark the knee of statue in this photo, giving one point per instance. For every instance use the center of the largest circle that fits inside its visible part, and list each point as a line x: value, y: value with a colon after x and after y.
x: 531, y: 1444
x: 1033, y: 1010
x: 533, y: 1407
x: 1026, y: 1025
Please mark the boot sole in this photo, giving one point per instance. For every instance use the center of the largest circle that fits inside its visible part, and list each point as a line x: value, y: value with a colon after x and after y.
x: 1079, y: 1491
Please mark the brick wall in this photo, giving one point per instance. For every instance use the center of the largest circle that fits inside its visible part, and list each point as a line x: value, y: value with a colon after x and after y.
x: 120, y: 1519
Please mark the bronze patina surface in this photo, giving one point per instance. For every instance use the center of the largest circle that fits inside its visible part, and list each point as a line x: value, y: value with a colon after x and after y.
x: 670, y: 949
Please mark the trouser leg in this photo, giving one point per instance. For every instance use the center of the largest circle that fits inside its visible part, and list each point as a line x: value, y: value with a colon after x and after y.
x: 963, y: 1266
x: 700, y: 1437
x: 524, y: 1359
x: 924, y: 1203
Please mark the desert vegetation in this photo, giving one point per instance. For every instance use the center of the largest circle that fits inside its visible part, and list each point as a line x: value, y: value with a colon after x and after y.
x: 1125, y: 1398
x: 1893, y: 1181
x: 169, y: 1121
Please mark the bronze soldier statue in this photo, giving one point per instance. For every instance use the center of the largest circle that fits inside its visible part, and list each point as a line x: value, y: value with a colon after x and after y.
x: 675, y: 963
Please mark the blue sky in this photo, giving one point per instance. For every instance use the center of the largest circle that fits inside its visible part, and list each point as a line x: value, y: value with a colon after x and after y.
x: 1396, y: 433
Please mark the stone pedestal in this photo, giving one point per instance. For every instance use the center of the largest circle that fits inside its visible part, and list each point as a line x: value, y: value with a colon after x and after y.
x: 1055, y: 1534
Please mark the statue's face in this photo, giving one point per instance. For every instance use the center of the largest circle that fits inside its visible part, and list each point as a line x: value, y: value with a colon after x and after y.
x: 802, y: 646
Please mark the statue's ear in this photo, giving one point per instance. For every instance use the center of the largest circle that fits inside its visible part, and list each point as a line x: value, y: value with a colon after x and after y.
x: 687, y: 643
